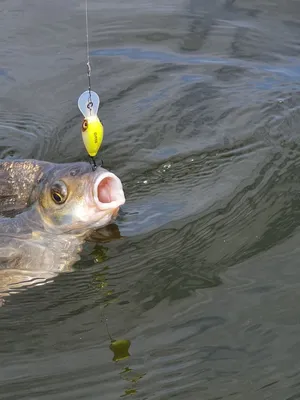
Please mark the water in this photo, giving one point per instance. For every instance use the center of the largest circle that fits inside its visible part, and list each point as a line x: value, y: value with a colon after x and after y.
x: 200, y: 104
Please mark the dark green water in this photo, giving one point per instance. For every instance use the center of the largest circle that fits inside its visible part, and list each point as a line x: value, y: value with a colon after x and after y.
x: 200, y: 103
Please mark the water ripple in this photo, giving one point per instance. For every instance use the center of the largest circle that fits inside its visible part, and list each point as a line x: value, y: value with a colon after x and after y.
x: 200, y: 104
x: 24, y: 135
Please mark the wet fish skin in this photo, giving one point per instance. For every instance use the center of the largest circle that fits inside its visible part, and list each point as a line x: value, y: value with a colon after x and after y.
x: 44, y: 237
x: 17, y: 179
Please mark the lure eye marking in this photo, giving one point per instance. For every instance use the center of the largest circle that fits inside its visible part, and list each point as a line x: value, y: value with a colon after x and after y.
x: 85, y: 125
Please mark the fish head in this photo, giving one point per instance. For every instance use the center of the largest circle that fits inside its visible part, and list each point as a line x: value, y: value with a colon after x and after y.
x: 73, y: 198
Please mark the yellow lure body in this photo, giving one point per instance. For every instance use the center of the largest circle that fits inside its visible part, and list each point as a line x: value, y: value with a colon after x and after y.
x: 92, y: 130
x: 92, y: 134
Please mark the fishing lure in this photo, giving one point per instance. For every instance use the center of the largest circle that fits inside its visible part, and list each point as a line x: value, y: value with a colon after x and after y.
x: 91, y: 128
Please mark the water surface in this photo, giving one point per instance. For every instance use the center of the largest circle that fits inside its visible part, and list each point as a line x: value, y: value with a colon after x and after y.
x: 200, y: 103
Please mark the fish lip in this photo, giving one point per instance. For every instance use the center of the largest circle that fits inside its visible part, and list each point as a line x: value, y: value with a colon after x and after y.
x: 117, y: 187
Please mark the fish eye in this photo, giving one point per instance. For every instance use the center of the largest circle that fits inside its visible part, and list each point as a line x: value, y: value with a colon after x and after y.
x: 59, y: 192
x: 85, y: 124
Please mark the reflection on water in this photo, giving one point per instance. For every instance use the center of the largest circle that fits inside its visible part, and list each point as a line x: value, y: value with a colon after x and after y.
x: 119, y: 347
x: 193, y: 292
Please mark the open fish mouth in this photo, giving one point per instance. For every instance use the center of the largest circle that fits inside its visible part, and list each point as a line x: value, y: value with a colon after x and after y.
x: 108, y: 192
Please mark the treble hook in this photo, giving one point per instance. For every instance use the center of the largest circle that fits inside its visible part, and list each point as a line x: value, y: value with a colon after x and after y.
x: 94, y: 165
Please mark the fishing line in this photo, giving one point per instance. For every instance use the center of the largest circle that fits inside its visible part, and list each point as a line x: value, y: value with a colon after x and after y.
x: 88, y: 64
x: 89, y: 70
x: 88, y: 103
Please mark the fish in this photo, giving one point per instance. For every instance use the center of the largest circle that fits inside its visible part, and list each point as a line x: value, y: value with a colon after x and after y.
x: 47, y: 211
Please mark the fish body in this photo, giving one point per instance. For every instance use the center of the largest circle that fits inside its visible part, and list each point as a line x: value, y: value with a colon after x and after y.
x: 46, y: 212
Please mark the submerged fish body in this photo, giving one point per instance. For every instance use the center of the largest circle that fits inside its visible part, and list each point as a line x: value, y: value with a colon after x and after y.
x: 46, y: 211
